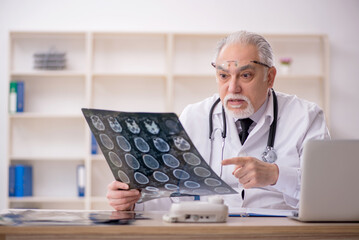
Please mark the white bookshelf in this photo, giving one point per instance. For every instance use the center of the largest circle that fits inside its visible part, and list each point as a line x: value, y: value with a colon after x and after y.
x: 128, y: 72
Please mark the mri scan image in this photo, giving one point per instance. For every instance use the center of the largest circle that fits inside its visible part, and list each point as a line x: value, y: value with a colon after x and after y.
x: 151, y: 126
x: 181, y: 143
x: 170, y: 160
x: 115, y: 159
x: 106, y: 141
x: 97, y: 123
x: 152, y: 152
x: 161, y: 145
x: 150, y: 161
x: 132, y: 162
x: 141, y: 145
x: 116, y: 127
x: 132, y: 126
x: 123, y: 143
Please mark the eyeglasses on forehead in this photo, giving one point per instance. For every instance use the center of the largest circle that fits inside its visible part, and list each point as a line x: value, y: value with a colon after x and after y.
x: 227, y: 64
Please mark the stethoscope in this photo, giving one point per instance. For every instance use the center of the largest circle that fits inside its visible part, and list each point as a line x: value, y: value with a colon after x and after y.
x: 269, y: 155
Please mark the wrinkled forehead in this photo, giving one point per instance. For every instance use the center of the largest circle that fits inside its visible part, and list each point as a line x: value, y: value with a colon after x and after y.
x: 235, y: 55
x: 233, y: 65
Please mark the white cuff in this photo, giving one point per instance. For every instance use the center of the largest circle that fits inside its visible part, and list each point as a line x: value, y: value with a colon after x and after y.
x: 288, y: 181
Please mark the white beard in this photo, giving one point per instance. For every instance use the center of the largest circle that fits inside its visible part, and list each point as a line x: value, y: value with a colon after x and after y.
x: 238, y: 113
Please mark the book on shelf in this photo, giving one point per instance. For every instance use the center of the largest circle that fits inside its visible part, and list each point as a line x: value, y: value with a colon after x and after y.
x: 94, y: 146
x: 12, y: 97
x: 20, y: 96
x: 20, y: 180
x: 81, y: 180
x: 12, y: 181
x: 16, y: 96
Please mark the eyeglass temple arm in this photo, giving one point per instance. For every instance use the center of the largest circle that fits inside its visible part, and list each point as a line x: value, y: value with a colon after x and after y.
x: 260, y: 63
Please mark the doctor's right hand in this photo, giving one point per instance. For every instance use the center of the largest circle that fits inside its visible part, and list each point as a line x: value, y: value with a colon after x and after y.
x: 120, y: 197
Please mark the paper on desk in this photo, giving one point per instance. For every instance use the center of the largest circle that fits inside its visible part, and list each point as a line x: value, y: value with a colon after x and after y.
x: 64, y: 217
x: 264, y: 212
x: 152, y: 152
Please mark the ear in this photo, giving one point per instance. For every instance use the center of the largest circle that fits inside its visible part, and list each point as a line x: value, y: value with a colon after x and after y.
x: 272, y: 72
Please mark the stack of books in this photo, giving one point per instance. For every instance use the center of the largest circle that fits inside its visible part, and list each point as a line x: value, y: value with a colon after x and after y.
x: 51, y: 60
x: 20, y: 180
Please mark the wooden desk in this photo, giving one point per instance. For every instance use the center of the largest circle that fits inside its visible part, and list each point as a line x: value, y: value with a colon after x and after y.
x: 155, y: 228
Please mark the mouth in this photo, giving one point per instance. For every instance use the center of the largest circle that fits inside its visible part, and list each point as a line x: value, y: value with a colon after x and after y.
x: 235, y: 103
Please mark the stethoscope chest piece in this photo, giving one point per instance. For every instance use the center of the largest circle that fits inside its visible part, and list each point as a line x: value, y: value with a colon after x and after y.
x: 269, y: 155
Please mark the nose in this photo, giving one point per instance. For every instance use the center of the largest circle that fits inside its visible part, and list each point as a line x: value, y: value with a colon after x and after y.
x: 234, y: 85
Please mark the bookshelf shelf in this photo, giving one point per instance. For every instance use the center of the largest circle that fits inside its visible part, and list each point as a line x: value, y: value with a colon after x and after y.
x: 125, y: 71
x: 99, y: 200
x: 198, y: 75
x: 123, y: 75
x: 47, y: 158
x: 49, y: 74
x: 97, y: 157
x: 29, y: 115
x: 298, y: 76
x: 47, y: 199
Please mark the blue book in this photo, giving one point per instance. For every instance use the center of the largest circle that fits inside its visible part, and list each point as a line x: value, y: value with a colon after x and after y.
x: 81, y: 180
x: 23, y: 180
x: 12, y: 181
x: 94, y: 145
x: 20, y: 96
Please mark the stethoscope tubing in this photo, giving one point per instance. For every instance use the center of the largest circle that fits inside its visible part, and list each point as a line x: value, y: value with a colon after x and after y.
x: 224, y: 132
x: 273, y: 126
x: 272, y: 129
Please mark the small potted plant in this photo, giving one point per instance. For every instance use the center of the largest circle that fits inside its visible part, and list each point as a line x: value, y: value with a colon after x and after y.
x: 285, y: 63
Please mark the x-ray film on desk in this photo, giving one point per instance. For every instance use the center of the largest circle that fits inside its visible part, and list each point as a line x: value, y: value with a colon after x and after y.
x: 152, y: 152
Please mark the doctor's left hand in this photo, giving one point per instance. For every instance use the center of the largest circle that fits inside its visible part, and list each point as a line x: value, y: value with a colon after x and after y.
x: 251, y: 172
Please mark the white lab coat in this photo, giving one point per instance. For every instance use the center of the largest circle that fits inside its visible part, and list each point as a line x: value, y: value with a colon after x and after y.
x: 298, y: 121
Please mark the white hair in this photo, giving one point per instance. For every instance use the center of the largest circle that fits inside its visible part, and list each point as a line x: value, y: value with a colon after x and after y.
x: 243, y: 37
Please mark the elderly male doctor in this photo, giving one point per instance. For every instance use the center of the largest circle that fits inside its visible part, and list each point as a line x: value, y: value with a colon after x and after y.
x: 245, y: 75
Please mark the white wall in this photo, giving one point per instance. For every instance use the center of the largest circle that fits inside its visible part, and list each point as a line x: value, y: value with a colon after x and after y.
x: 336, y: 18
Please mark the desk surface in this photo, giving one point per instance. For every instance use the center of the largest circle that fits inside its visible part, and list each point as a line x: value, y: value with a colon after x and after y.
x: 155, y: 228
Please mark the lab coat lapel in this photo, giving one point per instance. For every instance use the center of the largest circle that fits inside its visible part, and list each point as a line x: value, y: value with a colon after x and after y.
x: 217, y: 142
x: 268, y: 114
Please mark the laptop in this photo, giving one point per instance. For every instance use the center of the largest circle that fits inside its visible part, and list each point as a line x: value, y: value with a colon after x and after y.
x: 330, y: 181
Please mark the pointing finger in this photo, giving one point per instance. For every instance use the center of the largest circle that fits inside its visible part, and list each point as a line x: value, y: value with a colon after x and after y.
x: 240, y: 161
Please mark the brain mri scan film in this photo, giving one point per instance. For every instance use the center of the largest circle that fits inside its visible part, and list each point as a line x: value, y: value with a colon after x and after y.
x: 152, y: 152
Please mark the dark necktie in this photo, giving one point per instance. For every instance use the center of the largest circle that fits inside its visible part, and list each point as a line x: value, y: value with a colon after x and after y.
x: 245, y: 124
